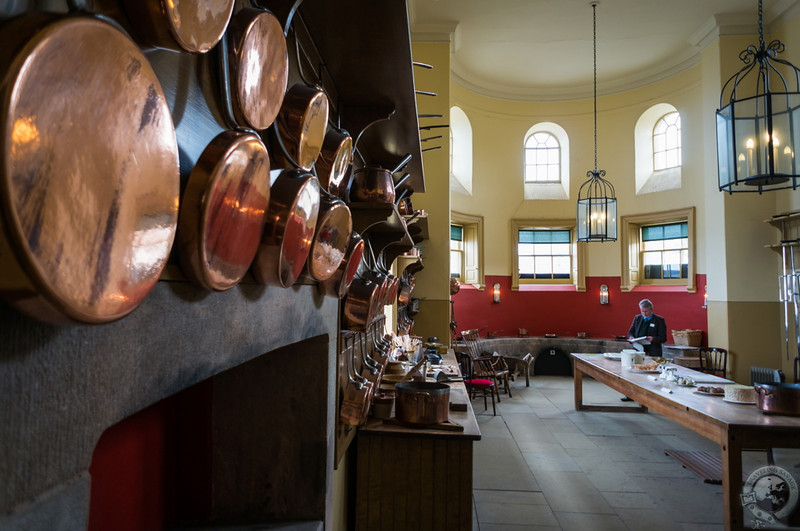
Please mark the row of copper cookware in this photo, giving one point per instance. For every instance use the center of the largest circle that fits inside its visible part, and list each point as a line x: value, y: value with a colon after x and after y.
x: 91, y: 198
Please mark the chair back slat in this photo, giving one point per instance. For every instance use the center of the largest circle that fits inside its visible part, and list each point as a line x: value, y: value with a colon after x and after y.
x: 714, y: 360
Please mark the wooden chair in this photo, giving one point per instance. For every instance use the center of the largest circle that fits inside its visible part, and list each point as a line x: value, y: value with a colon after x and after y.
x: 713, y: 360
x: 473, y: 371
x: 501, y: 371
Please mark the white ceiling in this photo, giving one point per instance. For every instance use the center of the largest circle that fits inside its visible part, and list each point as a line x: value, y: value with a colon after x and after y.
x: 542, y: 49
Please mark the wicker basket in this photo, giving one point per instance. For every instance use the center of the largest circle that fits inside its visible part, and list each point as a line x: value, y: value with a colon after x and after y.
x: 688, y: 337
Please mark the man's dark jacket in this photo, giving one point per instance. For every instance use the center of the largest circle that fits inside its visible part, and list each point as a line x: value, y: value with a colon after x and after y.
x: 656, y: 328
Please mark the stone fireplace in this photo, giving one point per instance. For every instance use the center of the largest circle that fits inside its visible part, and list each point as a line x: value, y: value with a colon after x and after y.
x: 266, y: 357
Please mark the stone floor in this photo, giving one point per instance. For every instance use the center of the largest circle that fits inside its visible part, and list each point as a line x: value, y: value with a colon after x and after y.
x: 542, y: 465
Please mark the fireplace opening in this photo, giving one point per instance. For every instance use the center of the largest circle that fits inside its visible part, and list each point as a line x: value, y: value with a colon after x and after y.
x: 553, y: 361
x: 247, y: 446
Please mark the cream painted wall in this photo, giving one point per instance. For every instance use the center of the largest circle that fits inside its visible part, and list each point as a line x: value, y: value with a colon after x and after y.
x: 433, y: 282
x: 498, y: 133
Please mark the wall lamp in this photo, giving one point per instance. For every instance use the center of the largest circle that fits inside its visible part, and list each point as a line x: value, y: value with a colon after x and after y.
x: 604, y: 294
x: 705, y: 298
x: 496, y: 292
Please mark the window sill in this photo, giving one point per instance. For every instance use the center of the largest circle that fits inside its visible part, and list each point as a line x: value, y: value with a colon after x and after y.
x: 546, y: 287
x: 681, y: 288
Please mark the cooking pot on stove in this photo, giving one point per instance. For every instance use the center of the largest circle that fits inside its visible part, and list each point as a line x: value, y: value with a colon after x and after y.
x: 422, y: 402
x: 778, y: 398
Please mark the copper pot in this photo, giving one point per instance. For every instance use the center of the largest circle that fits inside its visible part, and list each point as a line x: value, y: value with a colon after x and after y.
x: 373, y: 184
x: 90, y: 185
x: 334, y: 161
x: 778, y: 398
x: 256, y: 61
x: 223, y: 210
x: 331, y: 238
x: 301, y: 125
x: 359, y: 304
x: 422, y: 402
x: 338, y: 283
x: 180, y: 26
x: 289, y: 228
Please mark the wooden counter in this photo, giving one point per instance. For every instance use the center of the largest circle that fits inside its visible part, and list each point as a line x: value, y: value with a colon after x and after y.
x: 415, y: 478
x: 734, y: 427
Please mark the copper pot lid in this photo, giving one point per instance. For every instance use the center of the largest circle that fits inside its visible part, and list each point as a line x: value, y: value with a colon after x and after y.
x: 289, y: 228
x: 89, y: 179
x: 331, y: 239
x: 223, y: 210
x: 180, y: 25
x: 259, y: 65
x: 302, y: 123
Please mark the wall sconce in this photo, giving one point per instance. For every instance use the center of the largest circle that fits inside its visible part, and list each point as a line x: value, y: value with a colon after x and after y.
x: 603, y: 294
x: 705, y: 298
x: 496, y: 292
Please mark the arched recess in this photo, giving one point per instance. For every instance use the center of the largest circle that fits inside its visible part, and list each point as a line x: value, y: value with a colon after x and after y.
x: 545, y: 190
x: 649, y: 180
x: 460, y: 152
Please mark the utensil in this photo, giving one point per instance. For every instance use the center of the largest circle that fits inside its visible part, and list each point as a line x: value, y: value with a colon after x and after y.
x: 778, y: 398
x: 336, y: 285
x: 89, y: 186
x: 289, y: 228
x: 223, y: 210
x: 300, y: 127
x: 180, y: 26
x: 422, y: 402
x: 256, y: 64
x: 331, y: 238
x: 374, y: 184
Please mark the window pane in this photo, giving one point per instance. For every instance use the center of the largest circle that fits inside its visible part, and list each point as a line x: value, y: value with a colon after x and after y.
x: 526, y: 265
x: 673, y: 159
x: 561, y: 249
x: 561, y: 265
x: 651, y: 258
x: 526, y: 236
x: 653, y: 246
x: 542, y: 153
x: 542, y: 249
x: 455, y: 264
x: 525, y: 249
x: 456, y: 232
x: 659, y: 144
x: 659, y: 161
x: 543, y: 265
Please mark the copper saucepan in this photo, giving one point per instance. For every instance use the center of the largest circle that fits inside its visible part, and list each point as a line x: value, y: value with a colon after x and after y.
x: 374, y: 184
x: 180, y: 26
x: 334, y: 161
x: 289, y: 228
x: 359, y: 304
x: 256, y: 61
x: 223, y: 210
x: 300, y: 127
x: 336, y: 285
x: 331, y: 238
x: 357, y: 395
x: 89, y: 186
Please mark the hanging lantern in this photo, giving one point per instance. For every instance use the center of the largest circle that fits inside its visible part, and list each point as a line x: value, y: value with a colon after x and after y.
x: 758, y: 135
x: 597, y: 203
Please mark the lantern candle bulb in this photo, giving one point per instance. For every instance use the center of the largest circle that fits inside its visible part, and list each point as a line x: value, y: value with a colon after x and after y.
x: 496, y: 292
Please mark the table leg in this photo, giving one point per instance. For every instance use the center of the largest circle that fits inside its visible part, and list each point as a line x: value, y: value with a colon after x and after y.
x: 732, y: 483
x: 578, y: 387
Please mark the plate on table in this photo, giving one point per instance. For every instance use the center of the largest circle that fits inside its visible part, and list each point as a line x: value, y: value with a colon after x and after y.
x: 613, y: 356
x: 709, y: 394
x: 687, y: 385
x: 736, y: 401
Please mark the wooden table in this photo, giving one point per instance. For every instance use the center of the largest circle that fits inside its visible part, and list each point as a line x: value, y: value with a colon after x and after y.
x: 734, y: 427
x: 417, y: 478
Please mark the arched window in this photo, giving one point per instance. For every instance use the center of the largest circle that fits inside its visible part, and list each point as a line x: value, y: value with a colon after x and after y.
x: 545, y: 162
x: 460, y: 152
x: 667, y: 142
x: 657, y: 147
x: 542, y: 158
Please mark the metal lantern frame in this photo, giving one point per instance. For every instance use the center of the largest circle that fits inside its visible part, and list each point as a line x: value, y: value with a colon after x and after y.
x: 597, y: 202
x: 758, y: 135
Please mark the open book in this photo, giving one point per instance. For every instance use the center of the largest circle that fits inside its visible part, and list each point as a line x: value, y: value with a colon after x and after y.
x: 639, y: 342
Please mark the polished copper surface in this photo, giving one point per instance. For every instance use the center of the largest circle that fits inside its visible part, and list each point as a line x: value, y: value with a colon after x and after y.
x: 223, y: 210
x: 338, y: 283
x: 372, y: 184
x: 289, y: 228
x: 334, y: 160
x: 302, y: 123
x: 359, y: 304
x: 332, y: 235
x: 89, y: 178
x: 259, y: 67
x: 180, y: 25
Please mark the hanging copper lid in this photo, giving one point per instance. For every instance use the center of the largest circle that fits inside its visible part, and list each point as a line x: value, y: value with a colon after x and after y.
x: 89, y: 176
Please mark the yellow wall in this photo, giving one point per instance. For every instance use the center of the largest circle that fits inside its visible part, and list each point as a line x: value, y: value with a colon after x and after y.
x: 499, y: 128
x: 432, y: 283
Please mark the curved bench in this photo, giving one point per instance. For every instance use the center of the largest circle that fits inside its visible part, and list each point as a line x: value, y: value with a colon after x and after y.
x: 523, y: 351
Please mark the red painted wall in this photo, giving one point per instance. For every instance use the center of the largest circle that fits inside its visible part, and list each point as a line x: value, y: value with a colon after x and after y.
x: 562, y: 310
x: 154, y: 468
